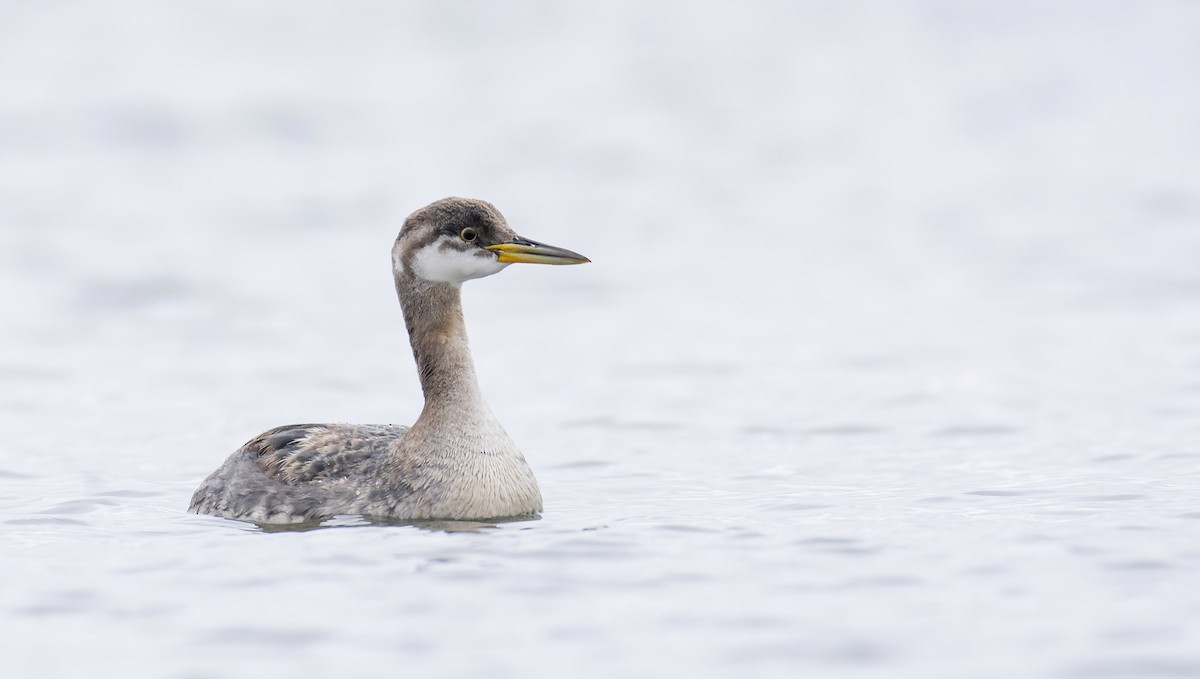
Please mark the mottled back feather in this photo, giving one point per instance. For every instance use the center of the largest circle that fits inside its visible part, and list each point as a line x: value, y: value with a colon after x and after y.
x: 302, y: 453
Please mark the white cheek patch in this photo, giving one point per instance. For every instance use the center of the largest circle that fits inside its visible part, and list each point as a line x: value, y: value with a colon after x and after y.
x: 446, y: 265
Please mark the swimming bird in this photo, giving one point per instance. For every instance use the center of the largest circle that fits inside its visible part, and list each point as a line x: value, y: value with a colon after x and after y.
x: 456, y: 461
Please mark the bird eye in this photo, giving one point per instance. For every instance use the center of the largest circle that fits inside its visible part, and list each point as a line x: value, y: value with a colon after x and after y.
x: 468, y: 234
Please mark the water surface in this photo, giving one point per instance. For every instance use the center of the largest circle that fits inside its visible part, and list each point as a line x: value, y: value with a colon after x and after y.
x: 887, y: 364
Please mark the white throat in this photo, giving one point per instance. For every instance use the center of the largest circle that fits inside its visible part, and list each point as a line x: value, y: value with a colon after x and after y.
x: 441, y: 264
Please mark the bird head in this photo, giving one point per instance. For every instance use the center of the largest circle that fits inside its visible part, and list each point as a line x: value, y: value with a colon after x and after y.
x: 457, y: 239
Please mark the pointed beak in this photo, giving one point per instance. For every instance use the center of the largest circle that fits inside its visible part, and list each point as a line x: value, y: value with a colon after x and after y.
x: 532, y: 252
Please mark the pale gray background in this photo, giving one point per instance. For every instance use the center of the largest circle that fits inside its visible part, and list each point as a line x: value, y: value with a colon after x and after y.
x: 888, y: 363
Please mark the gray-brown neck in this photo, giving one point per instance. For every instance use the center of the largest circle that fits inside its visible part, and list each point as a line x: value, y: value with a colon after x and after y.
x: 434, y: 318
x: 456, y: 459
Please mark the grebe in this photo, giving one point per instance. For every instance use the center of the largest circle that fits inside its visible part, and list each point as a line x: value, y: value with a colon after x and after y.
x: 455, y: 462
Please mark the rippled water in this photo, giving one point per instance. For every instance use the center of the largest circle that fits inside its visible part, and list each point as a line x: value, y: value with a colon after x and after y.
x: 887, y: 364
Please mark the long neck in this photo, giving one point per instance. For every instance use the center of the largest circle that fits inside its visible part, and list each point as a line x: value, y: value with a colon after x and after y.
x: 433, y: 314
x: 456, y: 426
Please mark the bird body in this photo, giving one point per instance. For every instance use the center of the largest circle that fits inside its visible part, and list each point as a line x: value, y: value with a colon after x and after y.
x: 456, y: 461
